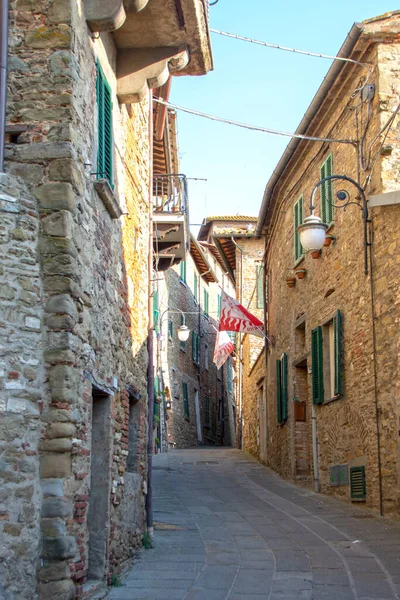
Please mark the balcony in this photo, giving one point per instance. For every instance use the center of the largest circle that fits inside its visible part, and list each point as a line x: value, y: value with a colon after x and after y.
x: 170, y: 220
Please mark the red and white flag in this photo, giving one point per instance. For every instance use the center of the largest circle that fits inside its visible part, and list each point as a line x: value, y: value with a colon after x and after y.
x: 234, y: 317
x: 223, y: 348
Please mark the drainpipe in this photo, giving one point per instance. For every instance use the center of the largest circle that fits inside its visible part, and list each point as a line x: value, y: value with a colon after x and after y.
x: 240, y: 386
x: 315, y: 449
x: 150, y: 336
x: 3, y: 76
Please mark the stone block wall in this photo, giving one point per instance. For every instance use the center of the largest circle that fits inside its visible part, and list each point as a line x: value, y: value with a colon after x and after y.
x: 21, y: 399
x: 348, y: 426
x: 94, y: 281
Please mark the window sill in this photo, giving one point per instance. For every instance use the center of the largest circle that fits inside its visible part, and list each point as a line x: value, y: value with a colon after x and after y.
x: 187, y: 419
x: 333, y: 399
x: 207, y: 426
x: 182, y: 349
x: 183, y: 283
x: 103, y: 188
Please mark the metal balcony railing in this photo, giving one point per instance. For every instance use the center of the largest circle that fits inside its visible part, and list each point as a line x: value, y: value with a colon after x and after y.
x: 170, y: 194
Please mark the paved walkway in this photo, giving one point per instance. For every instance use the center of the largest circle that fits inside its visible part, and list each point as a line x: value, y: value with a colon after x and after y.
x: 229, y: 528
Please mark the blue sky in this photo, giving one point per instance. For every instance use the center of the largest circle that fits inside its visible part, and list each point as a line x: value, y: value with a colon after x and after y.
x: 259, y: 86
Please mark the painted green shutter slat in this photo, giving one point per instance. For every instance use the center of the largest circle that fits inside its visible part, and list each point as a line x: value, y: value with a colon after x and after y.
x: 194, y: 346
x: 206, y: 303
x: 105, y: 128
x: 317, y: 366
x: 185, y: 398
x: 279, y: 390
x: 358, y: 488
x: 284, y: 369
x: 329, y: 190
x: 260, y: 295
x: 197, y: 349
x: 183, y: 271
x: 323, y: 194
x: 297, y: 220
x: 195, y: 285
x: 155, y: 310
x: 219, y: 306
x: 170, y: 328
x: 230, y: 378
x: 337, y: 323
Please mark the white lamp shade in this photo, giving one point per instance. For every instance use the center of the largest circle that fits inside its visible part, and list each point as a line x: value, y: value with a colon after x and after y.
x: 183, y: 333
x: 312, y: 233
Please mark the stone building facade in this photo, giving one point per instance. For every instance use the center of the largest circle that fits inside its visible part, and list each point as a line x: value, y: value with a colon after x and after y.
x: 332, y: 356
x: 197, y: 400
x: 240, y: 252
x: 76, y: 254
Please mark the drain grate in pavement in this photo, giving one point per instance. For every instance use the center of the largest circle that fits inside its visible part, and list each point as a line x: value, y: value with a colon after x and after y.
x: 168, y: 527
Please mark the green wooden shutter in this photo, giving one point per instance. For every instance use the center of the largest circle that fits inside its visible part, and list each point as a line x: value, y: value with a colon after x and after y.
x: 194, y: 346
x: 327, y: 191
x: 230, y: 379
x: 185, y: 399
x: 195, y: 286
x: 183, y: 271
x: 197, y: 349
x: 337, y: 322
x: 170, y: 329
x: 206, y: 303
x: 219, y: 306
x: 155, y: 310
x: 259, y: 283
x: 317, y: 366
x: 284, y: 395
x: 279, y: 390
x: 105, y: 128
x: 297, y: 220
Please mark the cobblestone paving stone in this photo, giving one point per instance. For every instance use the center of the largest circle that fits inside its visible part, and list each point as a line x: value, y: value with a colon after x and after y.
x: 228, y: 528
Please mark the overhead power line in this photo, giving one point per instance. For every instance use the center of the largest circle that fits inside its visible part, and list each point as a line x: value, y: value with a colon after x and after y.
x: 287, y: 49
x: 252, y: 127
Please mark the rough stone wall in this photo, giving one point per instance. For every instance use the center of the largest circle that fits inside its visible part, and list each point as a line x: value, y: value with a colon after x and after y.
x: 253, y: 374
x: 94, y: 276
x: 346, y: 427
x: 21, y: 378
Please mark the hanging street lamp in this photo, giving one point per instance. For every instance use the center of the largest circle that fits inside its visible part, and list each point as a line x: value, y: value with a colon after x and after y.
x: 313, y: 231
x: 183, y: 331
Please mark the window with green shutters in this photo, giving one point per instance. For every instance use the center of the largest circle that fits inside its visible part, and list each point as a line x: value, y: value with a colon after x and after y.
x: 185, y: 399
x: 230, y: 376
x: 105, y: 148
x: 282, y: 388
x: 170, y: 329
x: 326, y: 360
x: 183, y: 271
x: 219, y: 306
x: 207, y: 412
x: 259, y: 286
x: 206, y: 300
x: 358, y: 487
x: 297, y: 220
x: 196, y: 288
x: 327, y: 191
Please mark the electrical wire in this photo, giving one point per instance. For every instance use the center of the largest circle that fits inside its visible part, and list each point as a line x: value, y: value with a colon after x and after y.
x: 253, y: 127
x: 287, y: 49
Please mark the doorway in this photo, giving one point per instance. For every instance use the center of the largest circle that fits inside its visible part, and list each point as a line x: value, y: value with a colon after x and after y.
x: 262, y: 411
x: 100, y: 481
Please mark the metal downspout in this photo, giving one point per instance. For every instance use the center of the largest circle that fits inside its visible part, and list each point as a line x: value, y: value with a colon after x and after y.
x: 150, y: 337
x: 3, y: 76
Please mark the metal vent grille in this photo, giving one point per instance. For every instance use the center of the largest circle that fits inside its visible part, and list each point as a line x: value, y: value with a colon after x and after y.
x: 358, y: 489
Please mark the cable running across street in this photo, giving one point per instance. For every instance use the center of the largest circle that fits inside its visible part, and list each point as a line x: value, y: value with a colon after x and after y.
x: 252, y: 127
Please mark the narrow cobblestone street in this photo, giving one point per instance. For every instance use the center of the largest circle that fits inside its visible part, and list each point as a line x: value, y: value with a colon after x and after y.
x: 227, y: 527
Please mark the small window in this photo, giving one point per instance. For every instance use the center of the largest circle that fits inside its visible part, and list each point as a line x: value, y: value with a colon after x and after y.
x: 170, y: 329
x: 206, y: 356
x: 327, y: 192
x: 206, y: 300
x: 326, y: 360
x: 196, y: 288
x: 207, y: 412
x: 105, y: 145
x: 196, y: 348
x: 358, y: 488
x: 297, y: 220
x: 183, y: 271
x: 282, y: 389
x: 185, y: 399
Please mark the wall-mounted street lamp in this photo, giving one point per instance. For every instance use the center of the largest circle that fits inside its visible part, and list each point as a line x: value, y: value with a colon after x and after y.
x: 183, y: 331
x: 312, y: 231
